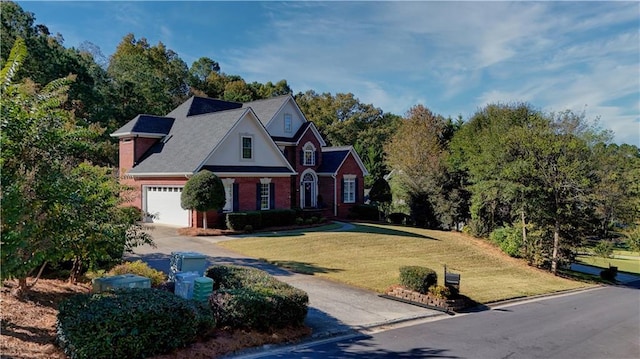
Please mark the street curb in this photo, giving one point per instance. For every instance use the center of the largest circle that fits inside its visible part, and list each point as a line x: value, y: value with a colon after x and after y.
x: 538, y: 296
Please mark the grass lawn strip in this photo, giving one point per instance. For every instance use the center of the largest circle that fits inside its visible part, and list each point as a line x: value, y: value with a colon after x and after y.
x: 628, y: 265
x: 369, y: 257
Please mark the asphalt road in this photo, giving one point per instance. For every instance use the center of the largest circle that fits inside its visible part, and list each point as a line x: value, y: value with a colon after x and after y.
x: 598, y: 323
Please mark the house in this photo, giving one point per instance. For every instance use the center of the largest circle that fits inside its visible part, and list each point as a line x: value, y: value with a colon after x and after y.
x: 267, y: 154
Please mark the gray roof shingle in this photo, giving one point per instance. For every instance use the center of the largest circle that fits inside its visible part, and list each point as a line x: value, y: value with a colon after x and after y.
x: 267, y: 108
x: 332, y: 160
x: 147, y: 124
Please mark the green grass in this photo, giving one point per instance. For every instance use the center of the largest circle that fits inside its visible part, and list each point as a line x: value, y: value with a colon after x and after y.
x: 369, y: 257
x: 624, y: 265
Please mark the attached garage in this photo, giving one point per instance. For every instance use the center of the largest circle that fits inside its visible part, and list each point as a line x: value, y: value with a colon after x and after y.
x: 163, y: 203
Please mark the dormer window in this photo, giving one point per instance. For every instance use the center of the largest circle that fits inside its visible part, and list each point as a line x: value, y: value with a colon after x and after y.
x: 309, y: 155
x: 287, y: 123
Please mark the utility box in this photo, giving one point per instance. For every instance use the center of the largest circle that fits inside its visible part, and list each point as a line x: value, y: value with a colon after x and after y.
x: 202, y: 288
x: 120, y: 281
x: 184, y: 284
x: 186, y: 262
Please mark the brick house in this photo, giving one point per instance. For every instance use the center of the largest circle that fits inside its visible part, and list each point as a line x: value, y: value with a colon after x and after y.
x: 266, y: 153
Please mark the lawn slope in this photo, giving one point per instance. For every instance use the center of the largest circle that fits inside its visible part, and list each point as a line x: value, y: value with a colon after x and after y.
x: 369, y: 256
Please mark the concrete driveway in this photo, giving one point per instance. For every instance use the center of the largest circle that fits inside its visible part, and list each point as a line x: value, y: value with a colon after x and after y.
x: 334, y: 308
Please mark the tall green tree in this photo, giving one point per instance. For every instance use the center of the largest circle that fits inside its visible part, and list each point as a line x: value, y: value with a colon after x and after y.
x: 147, y: 79
x: 41, y: 142
x: 203, y: 192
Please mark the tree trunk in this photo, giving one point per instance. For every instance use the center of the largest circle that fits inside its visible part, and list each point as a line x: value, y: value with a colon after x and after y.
x: 556, y: 244
x: 524, y: 235
x: 75, y: 271
x: 204, y: 220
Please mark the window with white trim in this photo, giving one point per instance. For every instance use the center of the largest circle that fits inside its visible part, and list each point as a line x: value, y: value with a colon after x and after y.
x: 287, y: 123
x: 349, y: 190
x: 264, y: 196
x: 309, y: 155
x: 228, y: 196
x: 247, y: 147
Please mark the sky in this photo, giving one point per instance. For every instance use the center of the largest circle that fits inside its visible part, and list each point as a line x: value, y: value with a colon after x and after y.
x: 452, y: 57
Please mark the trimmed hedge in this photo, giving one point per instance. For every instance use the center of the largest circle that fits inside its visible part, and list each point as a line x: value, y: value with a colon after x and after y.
x: 364, y: 211
x: 247, y: 297
x: 417, y: 278
x: 129, y: 323
x: 139, y: 268
x: 238, y: 221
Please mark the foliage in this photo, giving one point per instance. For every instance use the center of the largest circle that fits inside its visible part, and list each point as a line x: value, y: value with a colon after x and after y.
x: 247, y: 297
x: 509, y: 239
x: 278, y: 217
x: 608, y: 274
x: 129, y: 323
x: 417, y: 278
x: 397, y: 218
x: 139, y: 268
x: 365, y: 212
x: 603, y: 248
x: 380, y: 195
x: 238, y: 221
x: 203, y: 192
x: 55, y: 207
x: 440, y: 291
x: 633, y: 238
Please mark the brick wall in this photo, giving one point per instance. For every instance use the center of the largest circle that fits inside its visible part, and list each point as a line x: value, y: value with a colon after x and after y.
x: 349, y: 167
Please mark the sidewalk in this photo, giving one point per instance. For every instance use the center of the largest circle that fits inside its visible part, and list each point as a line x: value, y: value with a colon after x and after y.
x: 334, y: 308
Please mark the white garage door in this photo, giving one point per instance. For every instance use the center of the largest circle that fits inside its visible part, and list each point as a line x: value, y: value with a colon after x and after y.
x: 164, y: 204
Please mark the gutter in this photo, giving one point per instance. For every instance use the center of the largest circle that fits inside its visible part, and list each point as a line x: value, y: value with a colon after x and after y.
x: 335, y: 195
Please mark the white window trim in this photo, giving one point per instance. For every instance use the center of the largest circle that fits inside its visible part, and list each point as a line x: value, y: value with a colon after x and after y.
x: 228, y: 194
x: 288, y: 123
x: 265, y: 195
x: 311, y: 149
x: 349, y: 183
x: 242, y: 158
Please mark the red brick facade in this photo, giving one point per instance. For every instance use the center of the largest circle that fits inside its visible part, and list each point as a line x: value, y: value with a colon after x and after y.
x: 349, y: 167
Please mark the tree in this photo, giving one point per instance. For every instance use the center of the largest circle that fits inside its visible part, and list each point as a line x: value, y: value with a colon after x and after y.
x: 40, y: 143
x: 203, y: 192
x: 380, y: 194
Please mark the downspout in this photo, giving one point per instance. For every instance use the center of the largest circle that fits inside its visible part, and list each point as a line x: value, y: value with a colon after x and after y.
x: 335, y: 195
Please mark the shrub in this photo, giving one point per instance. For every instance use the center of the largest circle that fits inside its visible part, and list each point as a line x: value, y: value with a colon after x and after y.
x: 417, y: 278
x: 129, y: 323
x: 364, y: 211
x: 440, y: 291
x: 603, y: 249
x: 308, y: 221
x: 250, y: 298
x: 509, y: 239
x: 139, y: 268
x: 397, y: 218
x: 278, y: 217
x: 238, y: 221
x: 299, y: 221
x: 314, y: 220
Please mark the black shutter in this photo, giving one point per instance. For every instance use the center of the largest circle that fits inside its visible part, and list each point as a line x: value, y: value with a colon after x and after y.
x: 317, y: 159
x: 236, y: 197
x: 272, y: 195
x: 258, y: 187
x: 302, y: 157
x: 342, y: 191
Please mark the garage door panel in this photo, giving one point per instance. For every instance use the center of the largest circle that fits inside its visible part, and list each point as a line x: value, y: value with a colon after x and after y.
x: 164, y: 204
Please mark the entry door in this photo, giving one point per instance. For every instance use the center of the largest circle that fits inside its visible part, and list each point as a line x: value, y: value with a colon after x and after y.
x: 308, y: 202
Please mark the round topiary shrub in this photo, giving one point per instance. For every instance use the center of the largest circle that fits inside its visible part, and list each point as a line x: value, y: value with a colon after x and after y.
x: 418, y: 279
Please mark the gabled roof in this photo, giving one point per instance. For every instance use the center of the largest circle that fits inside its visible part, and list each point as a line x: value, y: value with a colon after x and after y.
x: 148, y: 125
x: 188, y: 144
x: 195, y: 106
x: 267, y: 108
x: 334, y: 157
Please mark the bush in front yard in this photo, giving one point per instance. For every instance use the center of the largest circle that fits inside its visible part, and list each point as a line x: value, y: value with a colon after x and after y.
x: 365, y: 212
x: 247, y: 297
x: 417, y: 278
x: 139, y: 268
x: 129, y: 323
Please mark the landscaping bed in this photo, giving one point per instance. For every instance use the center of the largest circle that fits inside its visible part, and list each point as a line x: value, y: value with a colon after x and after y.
x: 27, y: 327
x: 427, y: 299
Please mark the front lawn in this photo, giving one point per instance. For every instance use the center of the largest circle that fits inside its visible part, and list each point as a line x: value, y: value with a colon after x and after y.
x: 369, y: 257
x: 628, y: 264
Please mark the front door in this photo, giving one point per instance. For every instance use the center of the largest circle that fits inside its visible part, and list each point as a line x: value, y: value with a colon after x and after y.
x: 307, y: 195
x: 308, y: 188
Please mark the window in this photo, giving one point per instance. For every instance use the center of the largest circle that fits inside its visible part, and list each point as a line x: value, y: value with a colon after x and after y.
x: 247, y: 147
x: 228, y: 196
x: 309, y: 155
x: 349, y: 190
x: 287, y: 123
x: 264, y: 196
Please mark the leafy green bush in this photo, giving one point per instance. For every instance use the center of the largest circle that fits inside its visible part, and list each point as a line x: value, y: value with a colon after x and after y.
x: 237, y: 221
x: 129, y: 323
x: 299, y: 221
x: 397, y: 218
x: 417, y: 278
x: 440, y: 291
x: 609, y: 274
x: 139, y: 268
x: 247, y: 297
x: 364, y: 211
x: 603, y: 249
x: 278, y: 217
x: 509, y: 239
